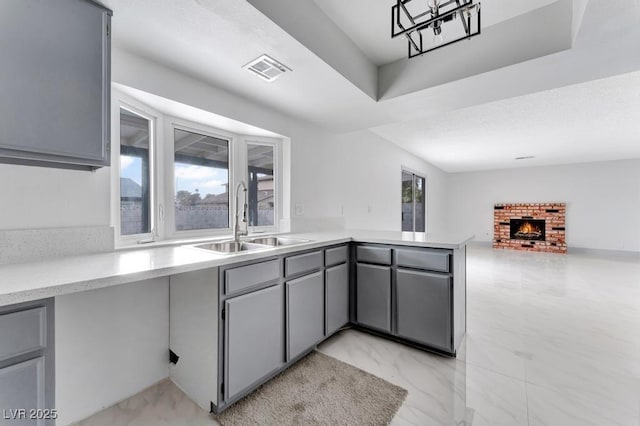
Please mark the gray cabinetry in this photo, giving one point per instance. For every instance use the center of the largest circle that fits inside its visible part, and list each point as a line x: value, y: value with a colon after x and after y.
x: 250, y: 276
x: 305, y: 313
x: 254, y: 338
x: 336, y: 255
x: 373, y: 296
x: 26, y: 360
x: 424, y: 308
x: 434, y: 260
x: 55, y: 83
x: 302, y: 263
x: 337, y: 297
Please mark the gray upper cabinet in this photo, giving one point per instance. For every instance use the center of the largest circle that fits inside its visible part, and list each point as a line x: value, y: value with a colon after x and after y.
x: 424, y: 307
x: 337, y: 297
x: 55, y: 83
x: 373, y: 296
x: 254, y: 338
x: 305, y: 313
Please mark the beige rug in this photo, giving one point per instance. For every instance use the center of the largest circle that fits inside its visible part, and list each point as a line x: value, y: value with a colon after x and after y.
x: 318, y: 390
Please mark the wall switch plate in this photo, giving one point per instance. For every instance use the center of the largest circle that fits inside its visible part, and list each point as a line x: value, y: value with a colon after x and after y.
x: 299, y: 210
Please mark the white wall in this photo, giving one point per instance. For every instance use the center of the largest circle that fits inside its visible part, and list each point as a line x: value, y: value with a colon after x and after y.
x: 37, y: 197
x: 603, y: 200
x: 308, y: 143
x: 368, y: 169
x: 110, y: 344
x: 327, y: 171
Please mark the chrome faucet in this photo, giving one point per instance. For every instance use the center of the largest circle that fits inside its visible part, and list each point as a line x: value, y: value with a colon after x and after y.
x: 236, y: 229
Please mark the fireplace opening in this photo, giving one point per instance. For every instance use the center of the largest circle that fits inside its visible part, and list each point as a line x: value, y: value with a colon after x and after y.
x: 527, y: 229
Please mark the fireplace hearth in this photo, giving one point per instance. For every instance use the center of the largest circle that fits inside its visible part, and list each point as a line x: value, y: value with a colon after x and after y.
x: 527, y: 229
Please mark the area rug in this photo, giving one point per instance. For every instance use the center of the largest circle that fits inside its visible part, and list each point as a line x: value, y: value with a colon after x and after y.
x: 318, y: 390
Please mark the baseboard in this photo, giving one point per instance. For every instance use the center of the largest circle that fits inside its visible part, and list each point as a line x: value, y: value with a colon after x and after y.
x: 480, y: 243
x: 626, y: 254
x: 605, y: 253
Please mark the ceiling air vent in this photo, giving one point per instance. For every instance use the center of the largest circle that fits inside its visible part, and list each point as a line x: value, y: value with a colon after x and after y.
x: 267, y: 68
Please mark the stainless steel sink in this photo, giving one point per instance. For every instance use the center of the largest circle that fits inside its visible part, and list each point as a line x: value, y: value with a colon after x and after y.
x: 277, y: 241
x: 231, y: 246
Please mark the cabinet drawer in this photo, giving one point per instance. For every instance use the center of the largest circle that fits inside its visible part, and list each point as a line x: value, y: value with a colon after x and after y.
x: 335, y: 256
x: 380, y: 255
x: 244, y: 277
x: 22, y: 332
x: 302, y: 263
x: 434, y: 260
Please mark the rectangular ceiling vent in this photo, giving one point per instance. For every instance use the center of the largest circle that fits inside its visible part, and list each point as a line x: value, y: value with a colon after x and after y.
x: 267, y: 68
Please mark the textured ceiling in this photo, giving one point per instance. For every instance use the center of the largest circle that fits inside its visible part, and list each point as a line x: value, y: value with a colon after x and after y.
x: 501, y: 114
x: 368, y: 23
x: 593, y: 121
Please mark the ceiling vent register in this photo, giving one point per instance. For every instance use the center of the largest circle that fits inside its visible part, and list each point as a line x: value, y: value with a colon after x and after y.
x: 422, y: 23
x: 267, y: 68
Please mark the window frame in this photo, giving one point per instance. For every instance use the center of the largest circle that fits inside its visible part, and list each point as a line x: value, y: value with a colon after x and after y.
x: 141, y: 110
x: 162, y: 174
x: 171, y: 124
x: 277, y: 178
x: 420, y: 175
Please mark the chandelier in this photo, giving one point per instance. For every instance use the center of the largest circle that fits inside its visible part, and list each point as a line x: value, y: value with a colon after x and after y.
x: 422, y: 24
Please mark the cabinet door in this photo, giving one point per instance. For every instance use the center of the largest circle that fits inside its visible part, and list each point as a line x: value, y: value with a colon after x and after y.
x: 22, y: 386
x: 305, y: 310
x: 337, y: 297
x: 55, y: 81
x: 424, y: 308
x: 254, y: 338
x: 373, y: 294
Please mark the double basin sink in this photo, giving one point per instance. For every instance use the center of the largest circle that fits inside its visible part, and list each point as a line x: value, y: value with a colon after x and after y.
x: 232, y: 246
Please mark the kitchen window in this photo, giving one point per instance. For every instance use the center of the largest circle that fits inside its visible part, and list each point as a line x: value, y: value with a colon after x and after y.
x: 262, y: 185
x: 135, y: 174
x: 201, y: 173
x: 413, y: 202
x: 175, y: 179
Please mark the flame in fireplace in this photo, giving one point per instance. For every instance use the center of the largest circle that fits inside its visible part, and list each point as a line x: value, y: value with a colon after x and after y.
x: 527, y: 228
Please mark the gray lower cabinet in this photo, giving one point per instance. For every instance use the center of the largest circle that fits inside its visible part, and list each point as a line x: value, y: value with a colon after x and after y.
x: 26, y: 362
x: 22, y: 387
x: 337, y: 297
x: 373, y: 296
x: 424, y: 308
x: 305, y: 313
x: 254, y: 338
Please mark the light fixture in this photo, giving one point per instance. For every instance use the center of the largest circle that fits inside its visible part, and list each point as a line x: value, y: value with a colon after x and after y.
x: 410, y: 20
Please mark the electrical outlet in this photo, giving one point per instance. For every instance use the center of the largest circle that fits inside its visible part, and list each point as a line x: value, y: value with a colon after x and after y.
x: 299, y: 210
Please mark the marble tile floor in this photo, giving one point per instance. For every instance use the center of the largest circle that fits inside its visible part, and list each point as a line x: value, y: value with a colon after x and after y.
x: 552, y: 340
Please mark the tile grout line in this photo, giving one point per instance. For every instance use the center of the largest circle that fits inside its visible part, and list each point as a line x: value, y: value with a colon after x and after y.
x: 526, y: 397
x: 526, y: 391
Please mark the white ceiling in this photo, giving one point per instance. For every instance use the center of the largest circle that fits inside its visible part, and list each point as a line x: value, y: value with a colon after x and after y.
x: 368, y: 23
x: 594, y: 121
x: 503, y: 110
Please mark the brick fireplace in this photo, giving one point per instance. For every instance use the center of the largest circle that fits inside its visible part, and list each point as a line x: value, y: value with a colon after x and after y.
x: 530, y: 227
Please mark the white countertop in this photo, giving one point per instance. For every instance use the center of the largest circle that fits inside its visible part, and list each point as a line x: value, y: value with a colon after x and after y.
x: 23, y: 282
